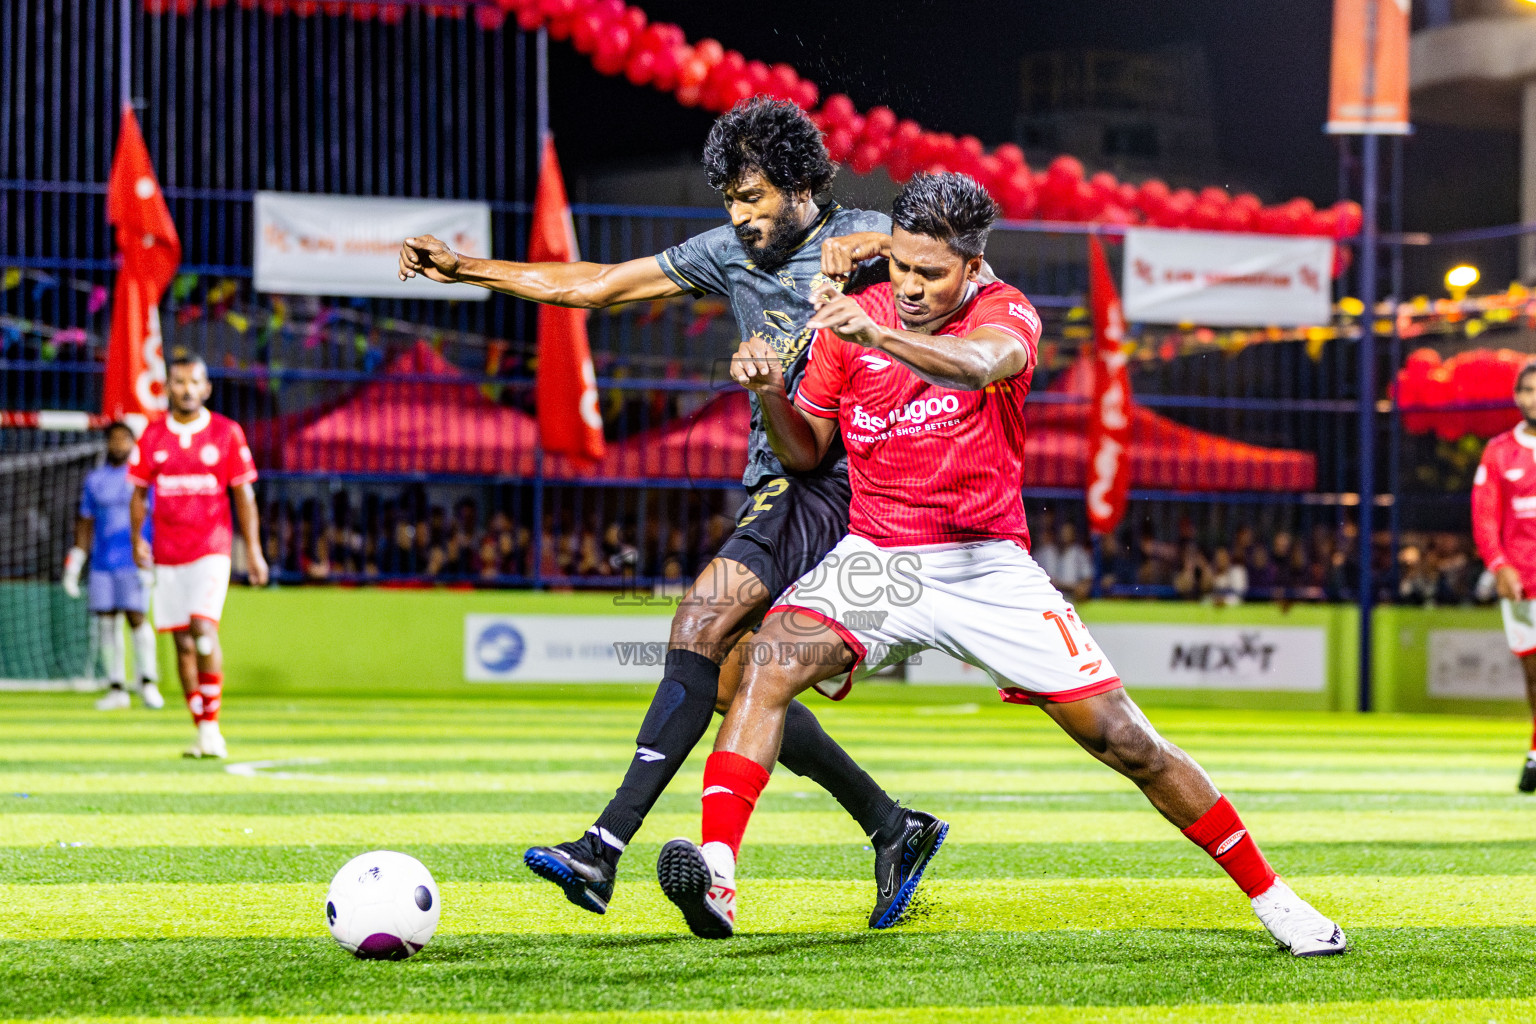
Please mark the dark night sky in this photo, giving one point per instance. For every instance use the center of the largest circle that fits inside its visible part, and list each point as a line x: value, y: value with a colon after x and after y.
x: 953, y: 66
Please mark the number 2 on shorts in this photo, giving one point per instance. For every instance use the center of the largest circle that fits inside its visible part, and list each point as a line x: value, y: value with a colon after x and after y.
x: 761, y: 502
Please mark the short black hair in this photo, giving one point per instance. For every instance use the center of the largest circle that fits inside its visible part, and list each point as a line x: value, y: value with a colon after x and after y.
x: 185, y: 357
x: 772, y: 136
x: 1528, y: 368
x: 951, y: 207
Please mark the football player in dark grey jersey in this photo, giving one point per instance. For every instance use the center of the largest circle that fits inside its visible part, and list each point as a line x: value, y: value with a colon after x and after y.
x: 768, y: 161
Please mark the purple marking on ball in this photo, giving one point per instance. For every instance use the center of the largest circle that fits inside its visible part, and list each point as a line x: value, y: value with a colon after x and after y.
x: 383, y: 946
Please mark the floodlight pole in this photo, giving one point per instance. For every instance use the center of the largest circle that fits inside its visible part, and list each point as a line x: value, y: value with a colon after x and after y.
x: 541, y: 90
x: 124, y: 53
x: 1370, y: 160
x: 541, y: 132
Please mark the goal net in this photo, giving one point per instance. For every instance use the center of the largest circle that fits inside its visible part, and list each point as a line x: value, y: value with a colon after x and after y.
x: 45, y: 639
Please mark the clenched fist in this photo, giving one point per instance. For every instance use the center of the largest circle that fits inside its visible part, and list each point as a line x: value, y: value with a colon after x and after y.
x: 430, y: 257
x: 757, y: 367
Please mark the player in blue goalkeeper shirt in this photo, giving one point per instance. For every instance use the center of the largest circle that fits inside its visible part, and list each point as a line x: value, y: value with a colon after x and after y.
x: 114, y: 586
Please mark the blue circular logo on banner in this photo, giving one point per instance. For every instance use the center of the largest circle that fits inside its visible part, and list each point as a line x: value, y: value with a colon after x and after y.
x: 500, y: 647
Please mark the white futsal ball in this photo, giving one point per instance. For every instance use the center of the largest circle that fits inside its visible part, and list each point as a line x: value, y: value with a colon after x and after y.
x: 382, y: 906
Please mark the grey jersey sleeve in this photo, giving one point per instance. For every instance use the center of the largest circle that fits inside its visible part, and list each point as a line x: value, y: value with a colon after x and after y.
x: 698, y: 264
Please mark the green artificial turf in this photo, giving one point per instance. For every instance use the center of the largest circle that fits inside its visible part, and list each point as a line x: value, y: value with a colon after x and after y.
x: 139, y: 885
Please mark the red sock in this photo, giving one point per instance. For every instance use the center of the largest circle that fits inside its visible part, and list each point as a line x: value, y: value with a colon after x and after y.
x: 1221, y: 833
x: 194, y: 704
x: 732, y: 784
x: 210, y: 686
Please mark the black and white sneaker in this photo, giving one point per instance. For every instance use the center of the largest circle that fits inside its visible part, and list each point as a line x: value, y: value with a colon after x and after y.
x: 1528, y: 776
x: 579, y: 868
x: 701, y: 880
x: 900, y: 861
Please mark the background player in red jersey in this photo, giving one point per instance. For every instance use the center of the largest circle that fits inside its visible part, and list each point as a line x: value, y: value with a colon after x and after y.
x: 1504, y: 525
x: 925, y: 378
x: 193, y: 458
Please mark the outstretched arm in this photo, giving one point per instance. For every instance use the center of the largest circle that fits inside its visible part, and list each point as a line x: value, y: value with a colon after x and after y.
x: 798, y: 439
x: 965, y: 364
x: 578, y: 285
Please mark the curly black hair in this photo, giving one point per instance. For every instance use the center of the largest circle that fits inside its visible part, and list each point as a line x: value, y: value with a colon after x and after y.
x: 953, y: 208
x: 772, y: 136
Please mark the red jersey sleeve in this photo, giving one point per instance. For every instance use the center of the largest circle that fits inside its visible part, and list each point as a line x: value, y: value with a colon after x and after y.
x: 822, y: 385
x: 1010, y: 312
x: 239, y: 467
x: 1488, y: 512
x: 141, y: 469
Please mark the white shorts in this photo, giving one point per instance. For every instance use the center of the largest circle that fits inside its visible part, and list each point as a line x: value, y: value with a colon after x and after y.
x: 1520, y: 626
x: 195, y: 590
x: 987, y: 604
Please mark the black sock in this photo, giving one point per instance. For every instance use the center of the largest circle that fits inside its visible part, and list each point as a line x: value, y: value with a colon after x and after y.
x: 810, y: 752
x: 673, y: 726
x: 116, y: 686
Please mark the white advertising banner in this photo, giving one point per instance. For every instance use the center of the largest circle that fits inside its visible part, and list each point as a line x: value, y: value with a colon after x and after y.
x: 1473, y: 663
x: 1158, y: 656
x: 565, y: 648
x: 350, y: 245
x: 1226, y: 279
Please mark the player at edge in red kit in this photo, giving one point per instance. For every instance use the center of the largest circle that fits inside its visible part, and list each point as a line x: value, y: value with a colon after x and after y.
x: 196, y: 460
x: 925, y: 378
x: 1504, y: 526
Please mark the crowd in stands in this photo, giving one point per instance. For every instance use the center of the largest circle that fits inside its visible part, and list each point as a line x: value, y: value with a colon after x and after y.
x: 1430, y: 568
x: 395, y: 540
x: 411, y: 539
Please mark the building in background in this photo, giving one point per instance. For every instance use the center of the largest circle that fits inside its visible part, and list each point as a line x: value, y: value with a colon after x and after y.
x: 1474, y: 66
x: 1136, y: 114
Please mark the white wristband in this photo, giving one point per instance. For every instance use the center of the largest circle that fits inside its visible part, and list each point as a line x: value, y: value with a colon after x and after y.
x: 74, y: 561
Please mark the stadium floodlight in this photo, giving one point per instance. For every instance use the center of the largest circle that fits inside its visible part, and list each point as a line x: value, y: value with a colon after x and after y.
x: 1459, y: 279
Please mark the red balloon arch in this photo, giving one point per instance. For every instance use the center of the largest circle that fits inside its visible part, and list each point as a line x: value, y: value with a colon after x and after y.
x: 1482, y: 376
x: 621, y: 40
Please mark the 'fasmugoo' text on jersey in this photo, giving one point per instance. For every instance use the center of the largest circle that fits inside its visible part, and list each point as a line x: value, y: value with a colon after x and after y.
x: 928, y: 464
x: 191, y: 466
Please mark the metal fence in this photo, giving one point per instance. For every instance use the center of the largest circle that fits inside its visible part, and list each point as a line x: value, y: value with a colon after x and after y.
x: 233, y: 100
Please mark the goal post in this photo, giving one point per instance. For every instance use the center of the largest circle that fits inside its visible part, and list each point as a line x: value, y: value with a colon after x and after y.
x: 45, y: 639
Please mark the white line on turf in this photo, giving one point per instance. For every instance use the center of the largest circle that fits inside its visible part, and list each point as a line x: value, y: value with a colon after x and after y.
x: 263, y: 770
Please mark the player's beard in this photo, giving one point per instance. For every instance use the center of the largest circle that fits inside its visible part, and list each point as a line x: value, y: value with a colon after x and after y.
x: 116, y: 460
x: 782, y: 241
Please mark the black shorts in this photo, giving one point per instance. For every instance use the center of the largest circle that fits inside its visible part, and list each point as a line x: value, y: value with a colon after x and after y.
x: 787, y: 526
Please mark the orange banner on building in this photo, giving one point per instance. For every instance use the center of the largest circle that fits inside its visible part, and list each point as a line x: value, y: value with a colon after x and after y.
x: 1369, y: 92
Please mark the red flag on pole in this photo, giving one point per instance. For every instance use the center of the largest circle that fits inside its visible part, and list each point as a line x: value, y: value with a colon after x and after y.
x: 1109, y: 422
x: 146, y: 238
x: 569, y: 421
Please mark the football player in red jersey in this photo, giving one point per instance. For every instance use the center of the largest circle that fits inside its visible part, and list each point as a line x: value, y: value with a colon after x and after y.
x: 194, y: 459
x: 1504, y: 526
x: 924, y: 379
x: 769, y: 162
